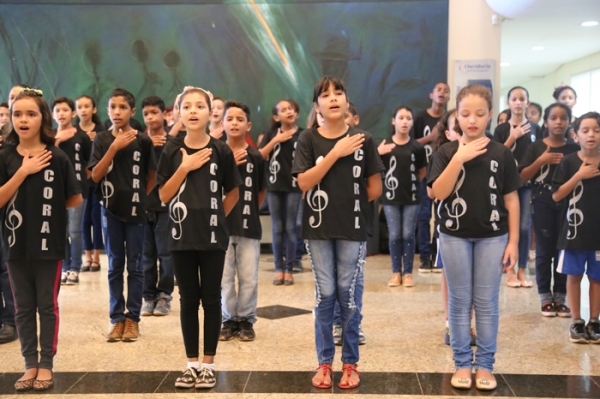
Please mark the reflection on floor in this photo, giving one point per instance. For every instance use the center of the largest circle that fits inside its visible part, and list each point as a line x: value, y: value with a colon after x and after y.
x: 404, y: 355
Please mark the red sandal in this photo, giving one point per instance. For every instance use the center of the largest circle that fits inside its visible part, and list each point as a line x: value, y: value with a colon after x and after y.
x: 324, y: 368
x: 348, y: 369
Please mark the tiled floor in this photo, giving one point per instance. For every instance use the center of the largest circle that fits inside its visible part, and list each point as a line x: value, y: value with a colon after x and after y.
x: 404, y: 355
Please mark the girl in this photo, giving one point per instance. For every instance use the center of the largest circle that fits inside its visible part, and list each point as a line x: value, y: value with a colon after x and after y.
x: 566, y: 95
x: 338, y: 169
x: 503, y: 117
x: 12, y: 94
x: 199, y: 233
x: 517, y: 134
x: 89, y: 122
x: 476, y: 181
x: 37, y: 185
x: 577, y: 178
x: 215, y: 128
x: 540, y: 163
x: 78, y: 147
x: 405, y: 160
x: 278, y: 146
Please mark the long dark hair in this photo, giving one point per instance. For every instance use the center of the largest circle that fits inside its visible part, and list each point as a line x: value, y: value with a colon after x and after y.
x: 442, y: 126
x: 95, y: 118
x: 398, y: 109
x: 46, y: 132
x: 274, y: 125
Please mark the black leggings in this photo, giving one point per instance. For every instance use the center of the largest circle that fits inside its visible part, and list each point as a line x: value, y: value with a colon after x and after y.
x: 193, y: 287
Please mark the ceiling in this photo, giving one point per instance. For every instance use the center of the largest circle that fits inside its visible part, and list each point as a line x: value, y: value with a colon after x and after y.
x: 553, y: 24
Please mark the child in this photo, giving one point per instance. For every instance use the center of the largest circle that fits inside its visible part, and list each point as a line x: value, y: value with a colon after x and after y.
x: 4, y: 114
x: 216, y: 119
x: 566, y: 95
x: 278, y: 146
x: 405, y: 161
x: 123, y: 165
x: 199, y: 234
x: 503, y: 117
x: 517, y: 134
x: 577, y: 178
x: 243, y: 252
x: 476, y: 181
x: 78, y: 147
x: 37, y: 185
x: 89, y: 122
x: 423, y: 129
x: 338, y: 169
x: 534, y: 112
x: 158, y: 281
x: 539, y: 165
x: 12, y: 94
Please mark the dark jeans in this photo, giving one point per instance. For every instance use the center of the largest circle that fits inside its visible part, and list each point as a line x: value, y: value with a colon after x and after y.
x: 524, y: 193
x: 92, y: 223
x: 7, y: 302
x: 283, y: 207
x: 124, y: 245
x: 199, y: 275
x: 547, y: 218
x: 424, y: 223
x: 36, y: 284
x: 158, y: 279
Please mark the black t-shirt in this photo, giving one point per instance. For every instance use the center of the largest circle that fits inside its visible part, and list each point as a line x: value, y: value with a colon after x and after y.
x: 580, y: 232
x: 244, y: 218
x: 122, y: 191
x: 402, y: 164
x: 154, y: 202
x: 519, y: 148
x: 535, y: 150
x: 423, y: 126
x: 475, y: 208
x: 79, y: 150
x: 198, y: 220
x: 35, y: 219
x: 337, y: 207
x: 281, y: 159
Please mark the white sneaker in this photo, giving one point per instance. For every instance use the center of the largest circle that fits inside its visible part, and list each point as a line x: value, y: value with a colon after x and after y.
x: 64, y: 277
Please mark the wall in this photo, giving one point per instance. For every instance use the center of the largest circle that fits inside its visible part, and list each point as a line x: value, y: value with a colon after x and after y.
x: 388, y: 52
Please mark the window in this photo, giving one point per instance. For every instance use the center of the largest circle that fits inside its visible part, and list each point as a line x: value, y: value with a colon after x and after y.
x: 587, y: 86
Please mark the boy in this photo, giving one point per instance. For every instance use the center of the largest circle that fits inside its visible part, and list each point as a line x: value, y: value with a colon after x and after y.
x: 423, y: 129
x: 124, y: 166
x: 78, y: 147
x: 239, y: 311
x: 158, y: 282
x: 4, y: 114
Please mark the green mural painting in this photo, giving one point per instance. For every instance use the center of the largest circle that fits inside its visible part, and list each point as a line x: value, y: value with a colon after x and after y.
x: 388, y: 52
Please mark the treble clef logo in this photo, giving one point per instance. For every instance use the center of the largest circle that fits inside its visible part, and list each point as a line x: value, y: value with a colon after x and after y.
x: 428, y: 148
x: 274, y: 166
x: 317, y: 201
x: 391, y: 183
x: 178, y: 212
x: 13, y: 220
x: 458, y: 206
x: 574, y: 215
x: 544, y: 170
x: 106, y: 186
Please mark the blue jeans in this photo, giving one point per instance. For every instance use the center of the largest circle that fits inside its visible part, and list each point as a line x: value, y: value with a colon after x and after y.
x: 158, y: 279
x: 300, y: 247
x: 401, y: 222
x: 92, y: 223
x: 525, y: 225
x: 547, y: 220
x: 473, y: 268
x: 7, y: 301
x: 424, y: 223
x: 283, y: 207
x: 338, y: 271
x: 241, y: 259
x: 124, y: 239
x: 74, y: 247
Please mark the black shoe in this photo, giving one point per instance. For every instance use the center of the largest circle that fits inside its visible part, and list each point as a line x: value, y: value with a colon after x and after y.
x: 593, y: 331
x: 425, y: 266
x: 8, y: 334
x: 229, y: 330
x: 577, y: 333
x: 297, y: 266
x: 246, y: 331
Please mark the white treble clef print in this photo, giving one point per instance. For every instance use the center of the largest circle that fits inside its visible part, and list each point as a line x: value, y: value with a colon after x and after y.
x: 274, y: 166
x: 106, y: 186
x: 391, y: 182
x: 458, y: 206
x: 574, y: 215
x: 544, y: 170
x: 178, y: 212
x: 317, y: 201
x: 13, y: 220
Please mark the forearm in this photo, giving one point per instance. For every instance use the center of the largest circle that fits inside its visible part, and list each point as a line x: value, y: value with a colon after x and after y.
x: 374, y: 187
x: 74, y: 201
x: 444, y: 184
x: 424, y: 140
x: 231, y: 198
x: 566, y: 188
x: 314, y: 175
x: 510, y: 141
x: 151, y: 181
x: 175, y: 129
x: 266, y: 150
x: 8, y: 190
x: 101, y: 168
x: 530, y: 171
x: 261, y: 197
x: 511, y: 202
x: 171, y: 186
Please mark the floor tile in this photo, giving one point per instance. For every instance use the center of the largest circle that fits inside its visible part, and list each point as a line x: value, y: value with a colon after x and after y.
x: 439, y: 384
x: 382, y: 384
x: 282, y: 382
x: 119, y: 382
x: 227, y: 382
x: 276, y: 312
x: 553, y: 386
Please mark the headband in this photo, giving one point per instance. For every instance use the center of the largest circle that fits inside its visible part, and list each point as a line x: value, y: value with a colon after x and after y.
x: 190, y: 88
x: 29, y: 90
